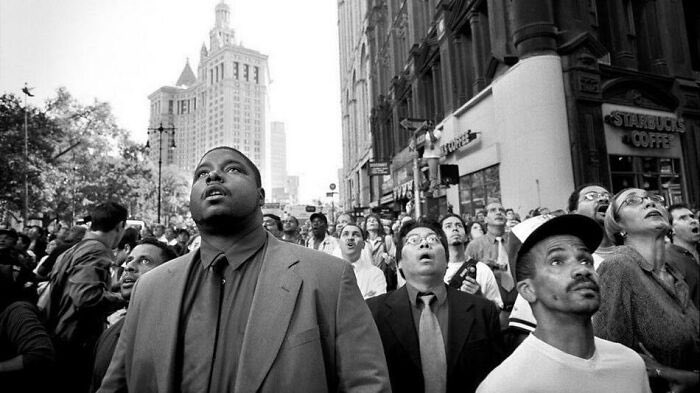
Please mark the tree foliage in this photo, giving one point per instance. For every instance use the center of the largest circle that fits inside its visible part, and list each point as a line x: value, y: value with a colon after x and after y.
x: 79, y: 156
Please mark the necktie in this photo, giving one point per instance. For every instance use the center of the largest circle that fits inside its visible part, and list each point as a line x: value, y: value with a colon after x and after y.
x: 432, y: 349
x: 216, y: 282
x: 502, y: 262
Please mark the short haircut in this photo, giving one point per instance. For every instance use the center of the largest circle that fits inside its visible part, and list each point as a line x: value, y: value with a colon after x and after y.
x: 676, y: 206
x: 167, y: 251
x: 107, y: 216
x: 39, y: 229
x: 256, y: 171
x: 458, y: 217
x: 613, y: 227
x: 423, y: 222
x: 277, y: 219
x: 131, y: 237
x: 576, y: 195
x: 352, y: 224
x: 181, y: 231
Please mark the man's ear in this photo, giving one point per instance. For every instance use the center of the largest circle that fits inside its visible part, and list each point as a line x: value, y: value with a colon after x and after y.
x: 527, y: 290
x: 261, y: 196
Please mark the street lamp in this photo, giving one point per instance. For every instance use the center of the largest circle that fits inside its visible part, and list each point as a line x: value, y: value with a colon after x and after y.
x: 160, y: 129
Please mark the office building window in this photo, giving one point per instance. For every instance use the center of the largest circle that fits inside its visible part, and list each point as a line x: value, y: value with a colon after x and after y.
x: 655, y: 174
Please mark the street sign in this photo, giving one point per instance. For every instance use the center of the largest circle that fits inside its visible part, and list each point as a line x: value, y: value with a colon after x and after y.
x: 330, y: 194
x: 332, y: 186
x: 310, y: 209
x: 379, y: 168
x: 414, y: 124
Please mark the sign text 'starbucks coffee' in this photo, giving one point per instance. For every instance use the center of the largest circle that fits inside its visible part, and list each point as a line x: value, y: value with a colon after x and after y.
x: 646, y: 130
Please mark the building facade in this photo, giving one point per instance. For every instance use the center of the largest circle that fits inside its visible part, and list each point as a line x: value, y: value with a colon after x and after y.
x: 222, y: 104
x: 355, y: 101
x: 533, y: 98
x: 278, y: 162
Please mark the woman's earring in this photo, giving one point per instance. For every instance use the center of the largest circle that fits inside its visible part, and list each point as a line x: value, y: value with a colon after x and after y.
x: 623, y: 234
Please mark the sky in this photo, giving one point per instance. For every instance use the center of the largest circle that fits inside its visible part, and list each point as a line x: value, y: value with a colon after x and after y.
x: 120, y: 51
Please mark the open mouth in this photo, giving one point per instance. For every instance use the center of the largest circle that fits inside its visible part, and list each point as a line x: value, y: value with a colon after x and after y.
x: 602, y: 208
x: 128, y: 283
x: 653, y: 213
x: 695, y: 230
x: 350, y: 244
x: 425, y: 257
x: 214, y: 192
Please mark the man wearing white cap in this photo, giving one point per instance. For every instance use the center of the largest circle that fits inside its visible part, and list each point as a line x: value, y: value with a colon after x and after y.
x: 555, y: 274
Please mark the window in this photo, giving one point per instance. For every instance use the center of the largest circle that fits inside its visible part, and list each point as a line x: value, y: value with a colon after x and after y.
x: 255, y: 75
x: 478, y: 189
x: 659, y: 175
x: 245, y: 72
x: 170, y: 107
x: 235, y: 70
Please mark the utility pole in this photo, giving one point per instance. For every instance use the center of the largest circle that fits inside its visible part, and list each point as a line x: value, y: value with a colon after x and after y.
x: 27, y: 93
x: 160, y: 129
x: 416, y: 126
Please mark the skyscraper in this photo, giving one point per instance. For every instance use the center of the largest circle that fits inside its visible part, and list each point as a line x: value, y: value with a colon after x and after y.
x: 278, y: 161
x: 223, y: 104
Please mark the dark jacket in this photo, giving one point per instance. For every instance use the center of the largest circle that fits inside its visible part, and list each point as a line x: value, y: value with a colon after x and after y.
x: 474, y: 344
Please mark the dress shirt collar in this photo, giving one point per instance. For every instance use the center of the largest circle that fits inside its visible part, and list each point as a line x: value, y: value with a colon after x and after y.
x: 238, y: 253
x: 439, y: 291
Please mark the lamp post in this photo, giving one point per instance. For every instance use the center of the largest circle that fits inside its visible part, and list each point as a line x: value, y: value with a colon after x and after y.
x: 27, y: 93
x: 160, y: 129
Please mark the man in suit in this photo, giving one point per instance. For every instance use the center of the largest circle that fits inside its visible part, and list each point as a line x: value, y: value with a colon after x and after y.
x: 245, y: 312
x: 436, y: 338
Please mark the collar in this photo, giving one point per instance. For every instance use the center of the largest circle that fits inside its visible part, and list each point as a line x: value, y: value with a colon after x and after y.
x: 440, y: 292
x: 492, y: 238
x: 238, y: 253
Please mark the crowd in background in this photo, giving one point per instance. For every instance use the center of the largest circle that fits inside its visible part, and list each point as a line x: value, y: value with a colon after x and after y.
x: 647, y: 265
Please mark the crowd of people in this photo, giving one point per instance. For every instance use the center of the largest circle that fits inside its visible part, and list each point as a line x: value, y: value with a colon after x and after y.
x: 602, y: 296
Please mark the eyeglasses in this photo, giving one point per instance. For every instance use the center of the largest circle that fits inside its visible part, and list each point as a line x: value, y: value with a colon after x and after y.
x: 634, y: 200
x: 417, y: 239
x: 594, y: 195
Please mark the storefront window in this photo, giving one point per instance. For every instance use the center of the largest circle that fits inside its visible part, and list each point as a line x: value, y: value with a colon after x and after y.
x: 660, y: 175
x: 478, y: 189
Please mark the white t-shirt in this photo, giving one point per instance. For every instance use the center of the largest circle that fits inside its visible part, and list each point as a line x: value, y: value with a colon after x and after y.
x: 537, y: 367
x: 370, y: 279
x: 484, y: 277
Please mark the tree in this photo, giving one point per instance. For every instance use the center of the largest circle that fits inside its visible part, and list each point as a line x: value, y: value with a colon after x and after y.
x: 43, y: 133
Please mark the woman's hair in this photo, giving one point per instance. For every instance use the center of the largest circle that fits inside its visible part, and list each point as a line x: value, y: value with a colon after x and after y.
x: 613, y: 227
x: 380, y: 227
x: 468, y: 229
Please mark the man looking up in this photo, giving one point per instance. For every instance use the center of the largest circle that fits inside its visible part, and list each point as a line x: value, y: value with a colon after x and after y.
x: 272, y: 223
x: 370, y: 279
x: 592, y: 201
x: 320, y: 239
x: 245, y: 312
x: 436, y: 338
x: 80, y: 299
x: 556, y: 276
x: 142, y: 258
x: 290, y: 230
x: 485, y: 283
x: 684, y: 250
x: 492, y: 250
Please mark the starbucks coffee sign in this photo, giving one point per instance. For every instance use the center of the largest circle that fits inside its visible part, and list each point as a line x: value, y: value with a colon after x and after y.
x: 648, y: 131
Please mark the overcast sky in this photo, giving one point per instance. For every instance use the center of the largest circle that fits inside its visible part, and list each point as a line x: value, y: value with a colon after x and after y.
x: 120, y: 51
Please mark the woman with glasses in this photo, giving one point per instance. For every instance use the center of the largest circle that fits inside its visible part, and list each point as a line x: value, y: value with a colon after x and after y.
x: 645, y: 303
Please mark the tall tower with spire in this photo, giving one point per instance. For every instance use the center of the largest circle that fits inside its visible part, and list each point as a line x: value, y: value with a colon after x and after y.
x: 222, y: 104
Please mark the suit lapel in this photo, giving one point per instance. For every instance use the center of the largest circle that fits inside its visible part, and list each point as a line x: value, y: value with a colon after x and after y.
x: 273, y: 305
x: 400, y: 318
x: 460, y: 324
x: 169, y: 322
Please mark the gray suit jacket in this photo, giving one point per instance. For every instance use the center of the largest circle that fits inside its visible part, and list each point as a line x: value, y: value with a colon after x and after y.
x: 309, y: 329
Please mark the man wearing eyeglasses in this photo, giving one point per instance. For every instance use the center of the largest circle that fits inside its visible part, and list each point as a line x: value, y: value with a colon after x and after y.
x: 435, y: 338
x: 145, y: 256
x: 592, y: 201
